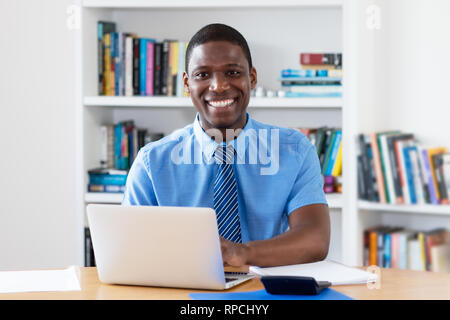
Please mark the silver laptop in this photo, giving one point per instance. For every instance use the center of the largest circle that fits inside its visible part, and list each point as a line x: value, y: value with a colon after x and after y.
x: 159, y: 246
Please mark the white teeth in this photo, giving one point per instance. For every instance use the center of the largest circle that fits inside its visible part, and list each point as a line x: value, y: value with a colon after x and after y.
x: 221, y: 103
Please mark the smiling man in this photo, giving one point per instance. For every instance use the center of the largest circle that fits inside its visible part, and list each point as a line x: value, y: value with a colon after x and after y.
x: 265, y: 218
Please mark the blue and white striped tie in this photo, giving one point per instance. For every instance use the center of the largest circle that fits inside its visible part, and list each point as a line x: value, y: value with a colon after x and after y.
x: 225, y: 195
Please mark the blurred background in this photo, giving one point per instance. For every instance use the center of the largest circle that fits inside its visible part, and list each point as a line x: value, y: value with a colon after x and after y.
x: 344, y: 72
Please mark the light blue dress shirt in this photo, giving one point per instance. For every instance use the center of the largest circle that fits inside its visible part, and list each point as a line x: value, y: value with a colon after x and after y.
x: 277, y: 171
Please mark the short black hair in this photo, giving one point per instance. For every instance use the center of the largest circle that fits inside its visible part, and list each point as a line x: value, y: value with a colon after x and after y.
x: 217, y: 32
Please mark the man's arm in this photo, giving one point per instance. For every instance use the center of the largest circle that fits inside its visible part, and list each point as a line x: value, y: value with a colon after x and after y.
x: 307, y: 240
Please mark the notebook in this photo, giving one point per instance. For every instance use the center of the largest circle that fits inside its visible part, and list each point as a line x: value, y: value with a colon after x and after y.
x: 326, y: 270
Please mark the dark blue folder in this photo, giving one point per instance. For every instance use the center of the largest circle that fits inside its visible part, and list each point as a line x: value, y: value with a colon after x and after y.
x: 326, y: 294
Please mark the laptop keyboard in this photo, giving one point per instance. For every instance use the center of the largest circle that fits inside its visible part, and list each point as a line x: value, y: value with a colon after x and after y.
x: 232, y: 276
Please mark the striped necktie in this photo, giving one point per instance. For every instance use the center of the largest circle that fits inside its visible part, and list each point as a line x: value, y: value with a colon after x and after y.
x: 225, y: 195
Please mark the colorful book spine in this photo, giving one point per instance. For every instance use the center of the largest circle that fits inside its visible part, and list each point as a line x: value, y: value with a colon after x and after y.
x: 129, y: 66
x: 334, y: 59
x: 106, y: 188
x: 409, y: 175
x: 334, y: 152
x: 429, y: 176
x: 377, y: 167
x: 149, y: 69
x: 142, y: 66
x: 110, y: 179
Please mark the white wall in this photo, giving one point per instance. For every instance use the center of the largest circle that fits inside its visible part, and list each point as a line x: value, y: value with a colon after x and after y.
x: 411, y: 68
x: 37, y: 136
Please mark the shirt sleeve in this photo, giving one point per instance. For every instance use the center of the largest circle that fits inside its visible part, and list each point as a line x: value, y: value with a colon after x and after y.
x: 308, y: 186
x: 139, y: 187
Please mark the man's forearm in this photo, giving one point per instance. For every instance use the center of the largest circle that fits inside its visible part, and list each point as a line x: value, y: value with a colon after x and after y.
x: 304, y: 244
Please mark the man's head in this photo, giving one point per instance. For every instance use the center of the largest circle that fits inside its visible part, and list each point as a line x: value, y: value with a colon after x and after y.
x: 219, y: 76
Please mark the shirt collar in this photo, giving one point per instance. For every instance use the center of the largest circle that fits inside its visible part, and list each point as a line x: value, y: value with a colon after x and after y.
x: 208, y: 145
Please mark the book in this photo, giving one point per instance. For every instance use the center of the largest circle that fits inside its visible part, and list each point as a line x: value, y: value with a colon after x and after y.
x: 142, y: 66
x: 420, y: 187
x: 103, y: 27
x: 435, y: 237
x: 377, y: 168
x: 446, y: 171
x: 431, y: 153
x: 334, y: 59
x: 394, y: 157
x: 440, y: 257
x: 315, y: 89
x: 334, y: 152
x: 422, y: 249
x: 429, y: 176
x: 116, y: 61
x: 157, y: 86
x: 337, y: 168
x: 414, y: 254
x: 129, y: 55
x: 107, y: 64
x: 290, y: 94
x: 136, y: 66
x: 409, y: 176
x: 149, y: 68
x: 403, y: 238
x: 165, y: 66
x: 107, y: 179
x: 366, y: 168
x: 112, y: 59
x: 328, y: 152
x: 106, y: 188
x: 107, y: 146
x: 386, y: 165
x: 174, y: 55
x: 439, y: 174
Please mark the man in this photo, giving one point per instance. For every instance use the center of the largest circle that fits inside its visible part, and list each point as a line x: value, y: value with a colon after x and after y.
x: 263, y: 181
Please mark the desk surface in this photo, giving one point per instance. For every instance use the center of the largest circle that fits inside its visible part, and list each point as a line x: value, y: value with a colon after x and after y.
x: 395, y: 284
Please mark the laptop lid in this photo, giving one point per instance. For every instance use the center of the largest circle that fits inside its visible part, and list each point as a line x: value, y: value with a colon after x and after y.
x: 156, y: 246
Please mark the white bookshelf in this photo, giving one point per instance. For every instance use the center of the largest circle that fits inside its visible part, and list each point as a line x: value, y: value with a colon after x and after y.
x: 319, y: 26
x: 425, y: 209
x: 176, y: 102
x: 334, y: 199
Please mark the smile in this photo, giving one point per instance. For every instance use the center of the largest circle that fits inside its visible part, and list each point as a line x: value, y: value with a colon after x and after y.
x: 220, y: 103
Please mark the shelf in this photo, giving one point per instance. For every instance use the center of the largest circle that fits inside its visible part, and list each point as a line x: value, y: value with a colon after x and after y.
x: 176, y: 102
x: 103, y: 197
x: 209, y: 4
x: 334, y: 199
x: 421, y: 209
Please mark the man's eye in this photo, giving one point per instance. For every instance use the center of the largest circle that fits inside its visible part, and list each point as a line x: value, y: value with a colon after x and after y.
x: 201, y: 75
x: 233, y: 73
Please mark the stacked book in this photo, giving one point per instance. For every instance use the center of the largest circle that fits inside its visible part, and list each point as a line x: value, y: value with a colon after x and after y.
x: 393, y: 168
x: 320, y: 76
x: 129, y: 65
x: 121, y: 143
x: 396, y: 247
x: 107, y: 180
x: 328, y: 143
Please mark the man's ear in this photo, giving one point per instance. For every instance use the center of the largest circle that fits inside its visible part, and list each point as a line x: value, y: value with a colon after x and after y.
x: 253, y: 78
x: 186, y: 82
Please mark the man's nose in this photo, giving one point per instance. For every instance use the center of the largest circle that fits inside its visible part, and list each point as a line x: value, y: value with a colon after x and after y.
x: 219, y: 83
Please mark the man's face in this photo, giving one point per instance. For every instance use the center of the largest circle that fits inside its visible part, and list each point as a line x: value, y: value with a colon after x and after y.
x: 219, y: 83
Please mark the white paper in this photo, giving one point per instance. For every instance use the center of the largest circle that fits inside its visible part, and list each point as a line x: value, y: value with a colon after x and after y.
x: 336, y: 273
x: 40, y: 280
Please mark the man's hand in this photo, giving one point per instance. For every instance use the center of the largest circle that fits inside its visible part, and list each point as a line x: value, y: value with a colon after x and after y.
x: 233, y: 254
